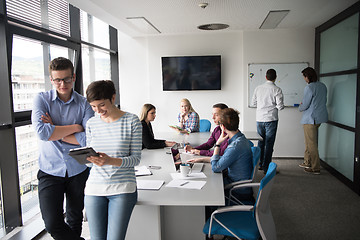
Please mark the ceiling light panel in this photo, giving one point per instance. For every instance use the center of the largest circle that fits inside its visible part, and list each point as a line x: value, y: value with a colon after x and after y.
x: 273, y: 19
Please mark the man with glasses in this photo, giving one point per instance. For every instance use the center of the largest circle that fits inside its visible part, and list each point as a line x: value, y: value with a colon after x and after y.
x: 59, y: 117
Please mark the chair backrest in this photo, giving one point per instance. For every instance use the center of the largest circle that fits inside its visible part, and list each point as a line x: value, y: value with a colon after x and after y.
x: 205, y: 125
x: 256, y: 151
x: 264, y: 219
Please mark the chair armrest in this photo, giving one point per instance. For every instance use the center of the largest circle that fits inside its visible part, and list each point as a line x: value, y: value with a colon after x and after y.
x: 236, y: 208
x: 230, y: 185
x: 245, y: 185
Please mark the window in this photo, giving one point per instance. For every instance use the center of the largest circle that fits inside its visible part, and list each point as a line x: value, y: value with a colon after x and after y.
x: 91, y: 25
x: 27, y: 155
x: 28, y: 69
x: 96, y: 65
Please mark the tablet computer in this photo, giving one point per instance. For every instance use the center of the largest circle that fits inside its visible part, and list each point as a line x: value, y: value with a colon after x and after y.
x: 80, y: 154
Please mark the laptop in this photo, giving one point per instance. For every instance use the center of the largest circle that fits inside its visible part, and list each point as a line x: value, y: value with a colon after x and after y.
x: 195, y: 167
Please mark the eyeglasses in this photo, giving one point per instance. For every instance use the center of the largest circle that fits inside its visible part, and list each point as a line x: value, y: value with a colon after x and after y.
x: 65, y: 80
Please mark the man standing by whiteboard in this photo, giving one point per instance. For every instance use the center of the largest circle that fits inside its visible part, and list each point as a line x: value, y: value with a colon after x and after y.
x: 268, y: 99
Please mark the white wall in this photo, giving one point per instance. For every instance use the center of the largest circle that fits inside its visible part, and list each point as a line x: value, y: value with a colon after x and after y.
x: 141, y: 79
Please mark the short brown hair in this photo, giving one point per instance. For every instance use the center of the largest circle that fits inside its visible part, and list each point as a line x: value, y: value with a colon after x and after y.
x: 220, y: 105
x: 61, y: 63
x: 310, y: 73
x: 229, y: 117
x: 99, y: 90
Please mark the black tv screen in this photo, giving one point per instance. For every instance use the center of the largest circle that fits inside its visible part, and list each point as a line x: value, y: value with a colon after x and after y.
x: 191, y: 73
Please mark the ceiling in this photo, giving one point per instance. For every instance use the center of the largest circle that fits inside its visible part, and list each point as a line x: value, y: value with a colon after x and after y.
x: 183, y: 16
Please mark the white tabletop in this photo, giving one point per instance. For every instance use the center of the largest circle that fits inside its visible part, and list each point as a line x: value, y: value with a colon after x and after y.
x: 212, y: 194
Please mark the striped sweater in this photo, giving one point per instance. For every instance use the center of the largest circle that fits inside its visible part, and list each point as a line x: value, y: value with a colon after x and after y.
x: 119, y: 139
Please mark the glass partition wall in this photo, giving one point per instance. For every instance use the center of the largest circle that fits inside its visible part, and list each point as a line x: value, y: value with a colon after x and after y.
x: 337, y: 63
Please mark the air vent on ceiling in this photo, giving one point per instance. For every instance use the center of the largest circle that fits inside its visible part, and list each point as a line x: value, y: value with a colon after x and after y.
x: 213, y: 26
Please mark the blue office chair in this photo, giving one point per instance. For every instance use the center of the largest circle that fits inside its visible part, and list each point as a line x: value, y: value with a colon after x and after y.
x: 256, y: 151
x: 247, y: 221
x: 205, y: 125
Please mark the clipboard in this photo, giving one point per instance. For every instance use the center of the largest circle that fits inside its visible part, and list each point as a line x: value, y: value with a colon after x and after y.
x: 80, y: 154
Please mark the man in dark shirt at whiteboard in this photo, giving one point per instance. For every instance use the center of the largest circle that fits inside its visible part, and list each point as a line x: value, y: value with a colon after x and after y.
x: 268, y: 99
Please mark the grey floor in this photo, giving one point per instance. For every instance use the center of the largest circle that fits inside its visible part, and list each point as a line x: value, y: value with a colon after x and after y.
x: 306, y: 206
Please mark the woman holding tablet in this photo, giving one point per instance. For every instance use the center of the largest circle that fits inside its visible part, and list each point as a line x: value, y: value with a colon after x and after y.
x: 147, y: 115
x: 110, y: 192
x: 189, y: 120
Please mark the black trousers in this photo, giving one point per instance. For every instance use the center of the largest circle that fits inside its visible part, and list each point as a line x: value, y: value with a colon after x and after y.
x: 52, y: 190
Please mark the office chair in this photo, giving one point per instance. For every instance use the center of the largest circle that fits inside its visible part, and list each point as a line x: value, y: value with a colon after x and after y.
x: 247, y: 221
x: 205, y: 125
x: 256, y: 151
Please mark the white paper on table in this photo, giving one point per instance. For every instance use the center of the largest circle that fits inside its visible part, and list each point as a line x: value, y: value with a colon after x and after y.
x: 149, y: 184
x: 190, y: 176
x: 186, y: 184
x: 142, y: 171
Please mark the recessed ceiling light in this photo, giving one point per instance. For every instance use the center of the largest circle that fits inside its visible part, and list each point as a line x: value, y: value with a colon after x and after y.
x: 213, y: 26
x: 273, y: 19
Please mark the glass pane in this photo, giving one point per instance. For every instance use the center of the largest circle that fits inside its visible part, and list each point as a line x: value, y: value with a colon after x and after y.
x: 91, y: 25
x: 27, y: 155
x: 338, y: 46
x: 336, y: 148
x: 96, y: 65
x: 27, y: 72
x: 341, y: 102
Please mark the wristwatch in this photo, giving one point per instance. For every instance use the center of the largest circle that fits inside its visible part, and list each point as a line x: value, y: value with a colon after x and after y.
x: 217, y: 145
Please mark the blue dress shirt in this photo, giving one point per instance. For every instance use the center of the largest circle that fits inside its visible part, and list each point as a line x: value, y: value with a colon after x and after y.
x: 53, y: 155
x: 313, y: 104
x: 237, y: 160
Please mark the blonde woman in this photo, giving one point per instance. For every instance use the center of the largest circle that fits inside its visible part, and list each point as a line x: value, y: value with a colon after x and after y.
x: 188, y: 118
x: 147, y: 115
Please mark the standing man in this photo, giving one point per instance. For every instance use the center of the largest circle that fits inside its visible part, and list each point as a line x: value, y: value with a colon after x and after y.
x: 268, y: 98
x: 59, y: 117
x: 314, y: 111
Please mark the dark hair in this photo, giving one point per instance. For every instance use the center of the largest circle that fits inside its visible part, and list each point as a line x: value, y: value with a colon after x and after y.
x: 229, y: 117
x: 61, y: 63
x: 310, y: 73
x: 145, y: 110
x: 220, y: 105
x: 271, y: 74
x: 99, y: 90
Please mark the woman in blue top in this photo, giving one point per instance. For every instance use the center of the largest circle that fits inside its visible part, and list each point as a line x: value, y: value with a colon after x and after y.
x: 110, y: 192
x: 314, y: 111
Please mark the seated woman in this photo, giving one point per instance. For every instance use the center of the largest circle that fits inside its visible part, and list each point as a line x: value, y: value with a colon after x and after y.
x: 188, y: 119
x: 147, y: 115
x: 237, y: 157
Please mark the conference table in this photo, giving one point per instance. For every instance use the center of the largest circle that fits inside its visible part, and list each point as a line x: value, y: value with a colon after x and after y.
x: 174, y: 213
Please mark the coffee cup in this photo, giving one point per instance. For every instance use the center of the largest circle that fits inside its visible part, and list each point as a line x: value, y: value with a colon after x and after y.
x: 185, y: 169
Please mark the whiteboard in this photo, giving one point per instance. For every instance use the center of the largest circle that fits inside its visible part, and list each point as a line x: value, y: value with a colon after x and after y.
x: 289, y: 79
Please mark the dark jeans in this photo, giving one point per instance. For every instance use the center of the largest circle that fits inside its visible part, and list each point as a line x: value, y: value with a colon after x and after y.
x: 267, y: 130
x: 51, y: 197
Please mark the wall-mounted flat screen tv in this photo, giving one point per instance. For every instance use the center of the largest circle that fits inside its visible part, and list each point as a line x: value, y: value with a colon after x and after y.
x: 191, y: 73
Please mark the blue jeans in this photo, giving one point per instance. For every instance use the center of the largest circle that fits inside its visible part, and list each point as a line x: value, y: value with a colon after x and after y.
x: 108, y: 216
x: 267, y: 130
